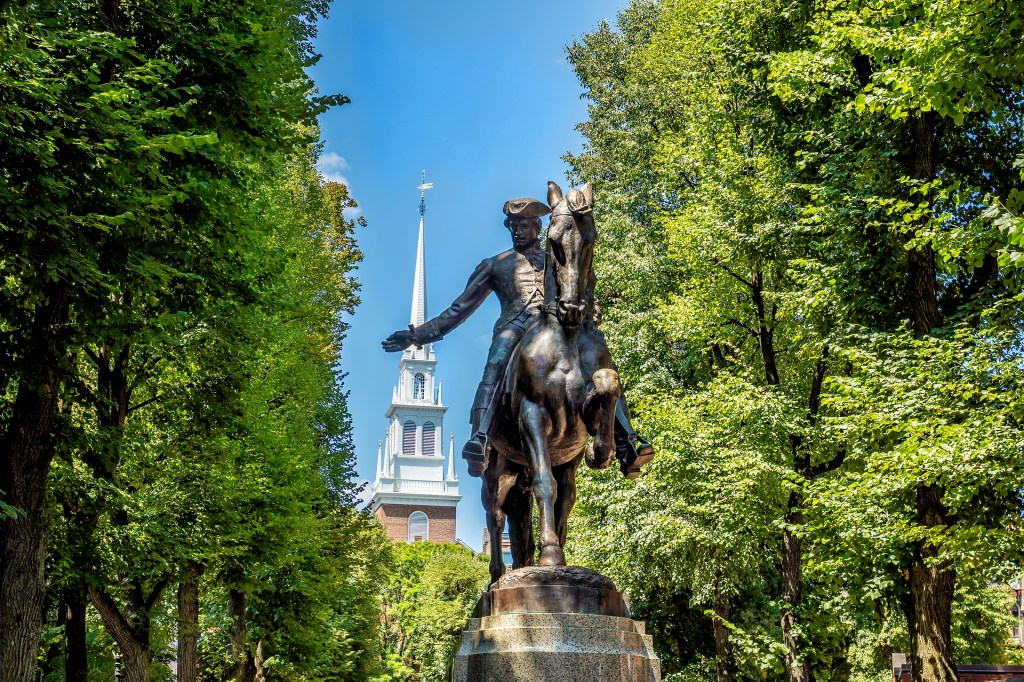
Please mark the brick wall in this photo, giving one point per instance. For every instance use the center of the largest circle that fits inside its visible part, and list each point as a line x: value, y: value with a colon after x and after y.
x: 395, y: 519
x: 972, y: 673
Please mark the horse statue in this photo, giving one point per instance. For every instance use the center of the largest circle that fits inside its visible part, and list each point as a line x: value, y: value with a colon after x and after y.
x: 560, y: 389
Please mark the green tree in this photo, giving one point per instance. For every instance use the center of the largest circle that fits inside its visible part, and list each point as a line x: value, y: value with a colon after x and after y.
x: 907, y: 118
x: 126, y: 129
x: 768, y: 232
x: 268, y: 502
x: 430, y: 592
x: 733, y: 389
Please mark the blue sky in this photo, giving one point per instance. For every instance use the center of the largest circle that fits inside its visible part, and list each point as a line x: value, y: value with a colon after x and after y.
x: 480, y: 95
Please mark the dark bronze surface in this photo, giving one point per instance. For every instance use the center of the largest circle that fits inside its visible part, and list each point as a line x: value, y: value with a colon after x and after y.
x: 572, y: 576
x: 554, y: 589
x: 560, y: 389
x: 549, y: 384
x: 516, y: 278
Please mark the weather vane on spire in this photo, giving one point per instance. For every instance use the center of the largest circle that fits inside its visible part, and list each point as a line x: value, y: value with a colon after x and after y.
x: 424, y: 186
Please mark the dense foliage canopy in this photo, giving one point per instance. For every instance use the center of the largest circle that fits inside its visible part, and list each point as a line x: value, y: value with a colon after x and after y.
x: 175, y: 457
x: 808, y: 275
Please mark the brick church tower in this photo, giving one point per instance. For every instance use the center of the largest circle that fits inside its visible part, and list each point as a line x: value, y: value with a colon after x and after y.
x: 413, y: 497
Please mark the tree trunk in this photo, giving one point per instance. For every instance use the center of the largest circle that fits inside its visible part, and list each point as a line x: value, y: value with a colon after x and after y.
x: 188, y: 625
x: 922, y: 288
x: 243, y: 668
x: 922, y: 295
x: 792, y: 586
x: 133, y: 645
x: 25, y: 454
x: 841, y: 668
x: 765, y: 329
x: 724, y: 649
x: 76, y: 661
x: 48, y: 666
x: 797, y: 670
x: 931, y: 585
x: 259, y: 663
x: 929, y: 601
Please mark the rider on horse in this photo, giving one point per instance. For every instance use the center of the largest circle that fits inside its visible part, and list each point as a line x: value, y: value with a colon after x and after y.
x: 516, y: 277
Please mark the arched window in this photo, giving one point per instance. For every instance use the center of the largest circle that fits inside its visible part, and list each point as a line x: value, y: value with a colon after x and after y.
x: 409, y: 438
x: 428, y: 438
x: 419, y: 385
x: 419, y: 526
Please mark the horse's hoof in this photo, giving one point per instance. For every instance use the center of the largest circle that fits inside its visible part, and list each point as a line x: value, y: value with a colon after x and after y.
x: 552, y: 555
x: 496, y: 575
x: 594, y: 461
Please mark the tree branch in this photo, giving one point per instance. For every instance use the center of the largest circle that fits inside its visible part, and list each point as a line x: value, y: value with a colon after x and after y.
x: 736, y: 322
x: 89, y: 394
x: 139, y: 406
x: 750, y: 285
x: 158, y: 589
x: 862, y: 65
x: 113, y: 619
x: 92, y: 355
x: 830, y: 465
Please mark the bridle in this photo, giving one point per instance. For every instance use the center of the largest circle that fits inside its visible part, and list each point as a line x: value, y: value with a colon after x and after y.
x: 562, y: 209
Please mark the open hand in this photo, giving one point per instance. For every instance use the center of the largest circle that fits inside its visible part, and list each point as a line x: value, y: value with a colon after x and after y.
x: 400, y: 340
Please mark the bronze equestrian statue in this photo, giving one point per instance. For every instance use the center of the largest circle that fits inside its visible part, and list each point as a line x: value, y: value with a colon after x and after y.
x: 549, y: 382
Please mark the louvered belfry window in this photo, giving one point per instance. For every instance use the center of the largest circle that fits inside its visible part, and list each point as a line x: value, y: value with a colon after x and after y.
x: 409, y: 438
x: 428, y: 438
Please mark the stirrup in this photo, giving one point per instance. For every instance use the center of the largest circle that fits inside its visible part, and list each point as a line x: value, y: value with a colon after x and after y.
x: 635, y: 452
x: 474, y: 453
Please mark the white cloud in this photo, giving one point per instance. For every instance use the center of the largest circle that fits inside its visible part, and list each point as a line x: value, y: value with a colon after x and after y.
x: 330, y: 166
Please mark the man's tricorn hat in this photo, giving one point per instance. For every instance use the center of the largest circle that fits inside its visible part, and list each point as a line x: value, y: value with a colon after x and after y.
x: 525, y: 208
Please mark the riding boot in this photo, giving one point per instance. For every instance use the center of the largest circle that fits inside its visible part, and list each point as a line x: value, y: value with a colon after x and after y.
x: 632, y: 449
x: 475, y: 449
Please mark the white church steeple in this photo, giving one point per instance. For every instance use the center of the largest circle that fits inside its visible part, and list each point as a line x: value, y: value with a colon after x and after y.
x: 419, y: 281
x: 411, y: 479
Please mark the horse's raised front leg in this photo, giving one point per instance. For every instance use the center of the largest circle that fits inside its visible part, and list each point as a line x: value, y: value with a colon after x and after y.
x: 565, y: 479
x: 599, y: 416
x: 536, y: 428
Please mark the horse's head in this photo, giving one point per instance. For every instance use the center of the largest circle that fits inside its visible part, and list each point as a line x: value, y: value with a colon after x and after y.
x: 571, y: 238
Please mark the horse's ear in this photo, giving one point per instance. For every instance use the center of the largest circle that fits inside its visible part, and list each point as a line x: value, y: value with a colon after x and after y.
x: 588, y: 194
x: 554, y: 194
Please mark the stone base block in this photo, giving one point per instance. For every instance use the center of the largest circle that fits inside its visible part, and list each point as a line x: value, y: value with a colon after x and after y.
x: 553, y: 589
x: 555, y: 647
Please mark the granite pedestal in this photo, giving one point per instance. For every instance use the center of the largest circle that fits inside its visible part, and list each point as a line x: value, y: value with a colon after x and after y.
x: 555, y: 624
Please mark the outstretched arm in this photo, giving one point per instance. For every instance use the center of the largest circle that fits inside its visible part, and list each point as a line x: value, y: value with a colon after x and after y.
x: 477, y: 289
